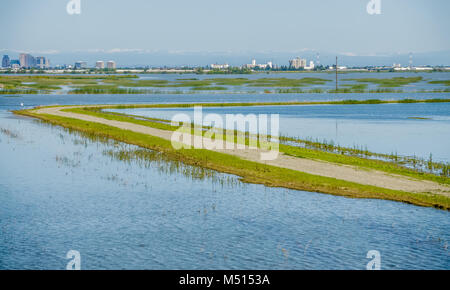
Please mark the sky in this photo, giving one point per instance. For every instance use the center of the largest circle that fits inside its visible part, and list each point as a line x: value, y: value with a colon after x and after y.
x: 226, y: 28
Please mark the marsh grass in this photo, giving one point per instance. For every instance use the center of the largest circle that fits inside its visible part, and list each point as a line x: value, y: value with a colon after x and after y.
x: 9, y: 133
x: 216, y: 88
x: 388, y: 83
x: 441, y: 82
x: 392, y: 162
x: 146, y: 158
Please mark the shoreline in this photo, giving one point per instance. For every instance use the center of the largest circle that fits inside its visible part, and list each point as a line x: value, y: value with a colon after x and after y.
x: 287, y: 171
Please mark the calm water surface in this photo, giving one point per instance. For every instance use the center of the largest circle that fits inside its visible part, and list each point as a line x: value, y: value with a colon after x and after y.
x: 61, y: 192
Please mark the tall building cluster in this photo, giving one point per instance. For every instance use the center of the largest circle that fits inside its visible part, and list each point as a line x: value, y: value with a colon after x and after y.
x: 26, y: 61
x: 297, y: 63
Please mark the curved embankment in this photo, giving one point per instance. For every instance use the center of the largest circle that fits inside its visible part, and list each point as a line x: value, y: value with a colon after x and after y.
x: 353, y: 174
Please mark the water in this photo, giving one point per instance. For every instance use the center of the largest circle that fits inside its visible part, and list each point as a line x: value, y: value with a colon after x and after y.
x: 344, y: 79
x: 60, y: 192
x: 384, y: 128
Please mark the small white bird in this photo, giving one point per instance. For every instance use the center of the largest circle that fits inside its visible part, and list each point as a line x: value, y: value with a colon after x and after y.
x: 21, y: 104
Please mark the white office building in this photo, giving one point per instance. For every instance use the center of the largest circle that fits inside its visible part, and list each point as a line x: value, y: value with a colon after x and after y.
x: 100, y: 64
x: 297, y: 63
x: 311, y: 66
x: 111, y: 64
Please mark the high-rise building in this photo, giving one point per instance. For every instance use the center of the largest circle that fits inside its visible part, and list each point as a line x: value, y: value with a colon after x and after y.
x: 15, y: 64
x: 100, y: 64
x: 42, y: 62
x: 80, y: 65
x: 111, y: 64
x: 6, y: 62
x: 297, y: 63
x: 254, y: 65
x: 27, y: 60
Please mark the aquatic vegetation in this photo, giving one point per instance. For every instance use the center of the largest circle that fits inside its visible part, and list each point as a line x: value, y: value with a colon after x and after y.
x: 286, y: 82
x: 290, y: 91
x: 20, y: 91
x: 367, y: 102
x: 388, y: 83
x: 9, y: 133
x: 446, y: 82
x: 44, y: 84
x: 419, y: 118
x: 393, y: 162
x: 65, y: 161
x: 209, y: 89
x: 153, y: 159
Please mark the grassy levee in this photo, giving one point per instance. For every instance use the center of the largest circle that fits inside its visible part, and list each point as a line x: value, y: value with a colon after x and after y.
x: 295, y: 151
x: 251, y: 172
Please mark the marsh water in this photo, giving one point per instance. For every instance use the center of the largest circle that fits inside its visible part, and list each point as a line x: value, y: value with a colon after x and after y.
x: 60, y: 191
x: 345, y: 79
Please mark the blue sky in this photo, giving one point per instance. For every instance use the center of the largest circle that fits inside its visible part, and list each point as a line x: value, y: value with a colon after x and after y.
x: 231, y: 26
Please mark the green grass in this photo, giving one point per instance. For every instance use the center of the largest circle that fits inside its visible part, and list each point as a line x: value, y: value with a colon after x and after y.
x: 388, y: 83
x: 249, y: 171
x: 446, y: 82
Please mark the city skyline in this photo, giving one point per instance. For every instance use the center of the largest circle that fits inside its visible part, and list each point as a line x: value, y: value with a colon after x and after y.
x: 198, y: 59
x: 257, y: 27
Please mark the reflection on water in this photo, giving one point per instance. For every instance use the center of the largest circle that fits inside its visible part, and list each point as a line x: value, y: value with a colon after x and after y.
x: 123, y: 207
x: 151, y: 159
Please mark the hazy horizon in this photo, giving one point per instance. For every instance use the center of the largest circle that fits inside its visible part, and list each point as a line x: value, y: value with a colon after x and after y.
x: 200, y: 32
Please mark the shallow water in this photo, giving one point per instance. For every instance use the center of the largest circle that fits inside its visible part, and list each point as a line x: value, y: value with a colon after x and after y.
x: 344, y: 79
x: 61, y: 192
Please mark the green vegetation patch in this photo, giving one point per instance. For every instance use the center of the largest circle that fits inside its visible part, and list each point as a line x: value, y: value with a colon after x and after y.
x: 389, y: 83
x: 446, y: 82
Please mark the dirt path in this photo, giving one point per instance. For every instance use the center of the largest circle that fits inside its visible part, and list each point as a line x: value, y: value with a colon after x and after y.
x: 343, y: 172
